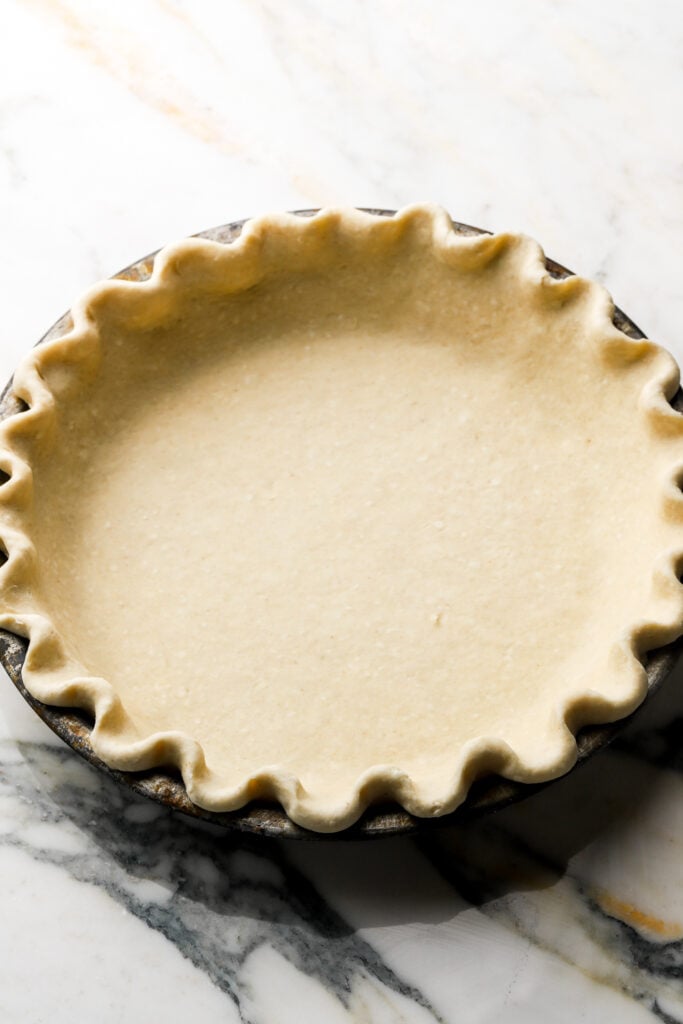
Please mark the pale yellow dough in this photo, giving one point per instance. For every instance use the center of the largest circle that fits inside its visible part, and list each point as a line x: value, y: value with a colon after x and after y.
x: 352, y: 508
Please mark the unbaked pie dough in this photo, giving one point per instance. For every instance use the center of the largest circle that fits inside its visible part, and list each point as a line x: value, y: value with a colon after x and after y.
x: 352, y: 508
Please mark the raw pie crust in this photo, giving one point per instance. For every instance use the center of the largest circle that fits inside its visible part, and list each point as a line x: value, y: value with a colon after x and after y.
x: 352, y: 508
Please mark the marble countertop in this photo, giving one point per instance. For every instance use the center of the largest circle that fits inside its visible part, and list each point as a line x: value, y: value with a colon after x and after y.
x: 126, y: 125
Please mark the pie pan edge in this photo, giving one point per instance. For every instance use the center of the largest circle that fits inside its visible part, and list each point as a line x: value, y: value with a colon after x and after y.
x: 13, y: 651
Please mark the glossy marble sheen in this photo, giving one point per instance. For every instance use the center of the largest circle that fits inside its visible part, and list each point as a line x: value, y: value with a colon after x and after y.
x: 126, y: 125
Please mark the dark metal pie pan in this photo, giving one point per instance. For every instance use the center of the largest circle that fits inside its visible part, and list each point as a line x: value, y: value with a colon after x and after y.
x: 165, y: 785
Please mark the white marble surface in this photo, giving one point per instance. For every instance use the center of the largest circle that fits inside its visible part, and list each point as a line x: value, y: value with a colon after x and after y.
x: 126, y: 125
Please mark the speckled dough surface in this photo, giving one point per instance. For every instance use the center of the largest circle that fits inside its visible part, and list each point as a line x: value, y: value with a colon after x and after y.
x: 352, y: 508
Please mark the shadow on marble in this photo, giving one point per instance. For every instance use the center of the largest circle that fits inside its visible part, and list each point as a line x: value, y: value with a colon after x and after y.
x: 222, y: 899
x: 529, y: 845
x: 526, y: 846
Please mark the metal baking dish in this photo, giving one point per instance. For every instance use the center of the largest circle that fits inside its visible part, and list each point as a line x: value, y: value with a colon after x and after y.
x: 269, y: 820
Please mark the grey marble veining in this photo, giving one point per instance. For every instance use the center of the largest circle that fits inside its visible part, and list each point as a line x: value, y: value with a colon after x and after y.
x: 216, y: 898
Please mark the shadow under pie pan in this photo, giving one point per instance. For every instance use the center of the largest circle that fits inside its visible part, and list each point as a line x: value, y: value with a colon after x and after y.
x: 485, y: 796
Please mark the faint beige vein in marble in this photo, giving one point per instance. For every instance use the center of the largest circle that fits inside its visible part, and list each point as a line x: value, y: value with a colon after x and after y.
x: 133, y: 66
x: 171, y: 10
x: 647, y: 924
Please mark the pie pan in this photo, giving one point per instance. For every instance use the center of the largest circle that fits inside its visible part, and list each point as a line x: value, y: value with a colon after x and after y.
x: 166, y: 787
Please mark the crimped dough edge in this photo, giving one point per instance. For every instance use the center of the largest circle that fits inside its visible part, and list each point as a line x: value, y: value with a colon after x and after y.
x: 51, y: 677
